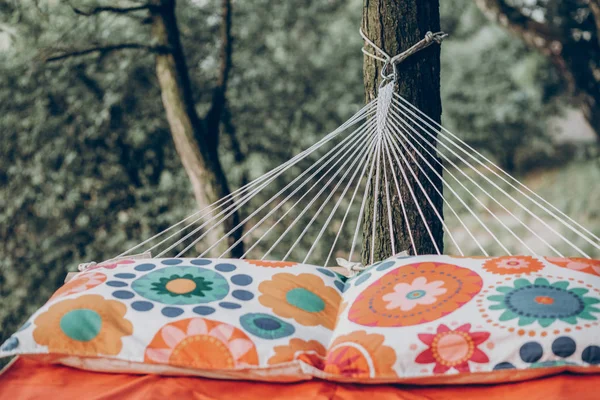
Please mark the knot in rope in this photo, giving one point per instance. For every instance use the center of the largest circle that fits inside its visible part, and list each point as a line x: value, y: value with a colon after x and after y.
x: 388, y: 60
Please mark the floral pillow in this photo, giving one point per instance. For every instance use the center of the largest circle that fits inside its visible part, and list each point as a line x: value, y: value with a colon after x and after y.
x: 426, y: 319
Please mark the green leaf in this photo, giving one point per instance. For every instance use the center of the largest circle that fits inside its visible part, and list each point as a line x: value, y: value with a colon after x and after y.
x: 579, y: 291
x: 520, y: 283
x: 524, y: 321
x: 507, y: 316
x: 542, y: 282
x: 560, y: 284
x: 546, y: 322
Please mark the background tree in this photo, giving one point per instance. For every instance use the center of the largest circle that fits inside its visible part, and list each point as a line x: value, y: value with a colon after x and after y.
x: 566, y: 32
x: 196, y: 139
x: 395, y: 26
x: 88, y: 166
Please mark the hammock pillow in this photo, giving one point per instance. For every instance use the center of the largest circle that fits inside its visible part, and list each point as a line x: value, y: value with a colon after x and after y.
x: 423, y: 320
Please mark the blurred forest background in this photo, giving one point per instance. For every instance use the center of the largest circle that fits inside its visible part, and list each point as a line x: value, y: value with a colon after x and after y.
x: 88, y: 167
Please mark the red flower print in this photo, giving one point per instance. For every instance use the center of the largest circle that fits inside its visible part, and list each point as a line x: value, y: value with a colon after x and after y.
x: 110, y: 265
x: 452, y: 348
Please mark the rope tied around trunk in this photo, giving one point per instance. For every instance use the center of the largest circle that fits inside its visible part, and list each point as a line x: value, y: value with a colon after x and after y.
x: 429, y: 39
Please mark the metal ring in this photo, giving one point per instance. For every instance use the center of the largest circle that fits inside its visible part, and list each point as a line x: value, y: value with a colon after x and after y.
x: 384, y: 69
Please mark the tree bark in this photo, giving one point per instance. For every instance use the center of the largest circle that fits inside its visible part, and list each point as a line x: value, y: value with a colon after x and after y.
x: 595, y: 8
x: 395, y: 25
x: 196, y: 139
x: 577, y: 61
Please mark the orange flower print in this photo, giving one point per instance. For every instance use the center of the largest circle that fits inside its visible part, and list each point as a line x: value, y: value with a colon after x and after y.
x: 585, y: 265
x: 310, y: 352
x: 304, y: 298
x: 450, y: 349
x: 80, y: 283
x: 512, y: 265
x: 415, y: 294
x: 88, y: 325
x: 201, y: 343
x: 360, y: 355
x: 272, y: 264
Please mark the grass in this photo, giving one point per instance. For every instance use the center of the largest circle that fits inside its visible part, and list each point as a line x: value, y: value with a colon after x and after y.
x: 573, y: 189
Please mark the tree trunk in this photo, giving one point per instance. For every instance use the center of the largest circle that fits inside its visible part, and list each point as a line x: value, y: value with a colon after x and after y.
x: 196, y: 140
x: 395, y: 25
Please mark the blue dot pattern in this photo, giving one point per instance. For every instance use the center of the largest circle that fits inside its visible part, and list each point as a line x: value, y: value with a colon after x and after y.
x: 25, y: 326
x: 229, y: 306
x: 385, y: 265
x: 326, y: 272
x: 11, y: 344
x: 504, y: 365
x: 591, y: 355
x: 361, y: 279
x: 241, y: 280
x: 145, y: 267
x: 564, y: 347
x: 531, y: 352
x: 142, y: 305
x: 201, y: 261
x: 171, y: 312
x: 203, y: 310
x: 116, y: 283
x: 173, y: 261
x: 123, y: 294
x: 225, y: 267
x: 243, y: 295
x: 125, y: 275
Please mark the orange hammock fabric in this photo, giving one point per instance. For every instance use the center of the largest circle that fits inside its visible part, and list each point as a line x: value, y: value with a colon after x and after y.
x: 28, y: 379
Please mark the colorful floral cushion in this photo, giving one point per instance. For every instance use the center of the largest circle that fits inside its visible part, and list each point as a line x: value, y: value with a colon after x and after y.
x: 426, y: 319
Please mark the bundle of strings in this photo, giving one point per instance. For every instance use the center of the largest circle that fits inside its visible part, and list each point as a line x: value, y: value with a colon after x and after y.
x: 312, y: 207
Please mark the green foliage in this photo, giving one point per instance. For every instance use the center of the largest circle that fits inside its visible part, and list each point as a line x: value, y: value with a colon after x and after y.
x: 87, y: 164
x: 567, y: 188
x: 87, y: 161
x: 497, y: 93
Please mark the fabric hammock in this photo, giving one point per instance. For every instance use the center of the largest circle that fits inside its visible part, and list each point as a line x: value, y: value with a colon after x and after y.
x: 420, y: 321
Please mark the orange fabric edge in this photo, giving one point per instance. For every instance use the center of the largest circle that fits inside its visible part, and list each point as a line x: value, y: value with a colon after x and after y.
x: 25, y: 379
x: 297, y: 371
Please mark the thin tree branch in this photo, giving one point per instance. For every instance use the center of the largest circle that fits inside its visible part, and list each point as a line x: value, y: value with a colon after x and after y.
x: 213, y: 118
x: 595, y: 8
x: 89, y: 82
x: 534, y: 33
x: 107, y: 49
x: 542, y: 37
x: 115, y: 10
x: 231, y: 131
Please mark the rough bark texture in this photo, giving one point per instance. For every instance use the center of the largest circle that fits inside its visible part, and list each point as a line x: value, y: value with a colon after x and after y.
x: 395, y: 25
x: 577, y: 61
x: 196, y: 139
x: 595, y: 8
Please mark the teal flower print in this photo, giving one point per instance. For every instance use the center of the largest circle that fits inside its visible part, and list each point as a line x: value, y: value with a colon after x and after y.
x: 182, y: 285
x: 543, y: 302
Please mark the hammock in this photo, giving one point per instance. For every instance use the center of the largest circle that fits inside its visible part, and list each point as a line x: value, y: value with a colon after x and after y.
x: 313, y: 201
x: 323, y: 191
